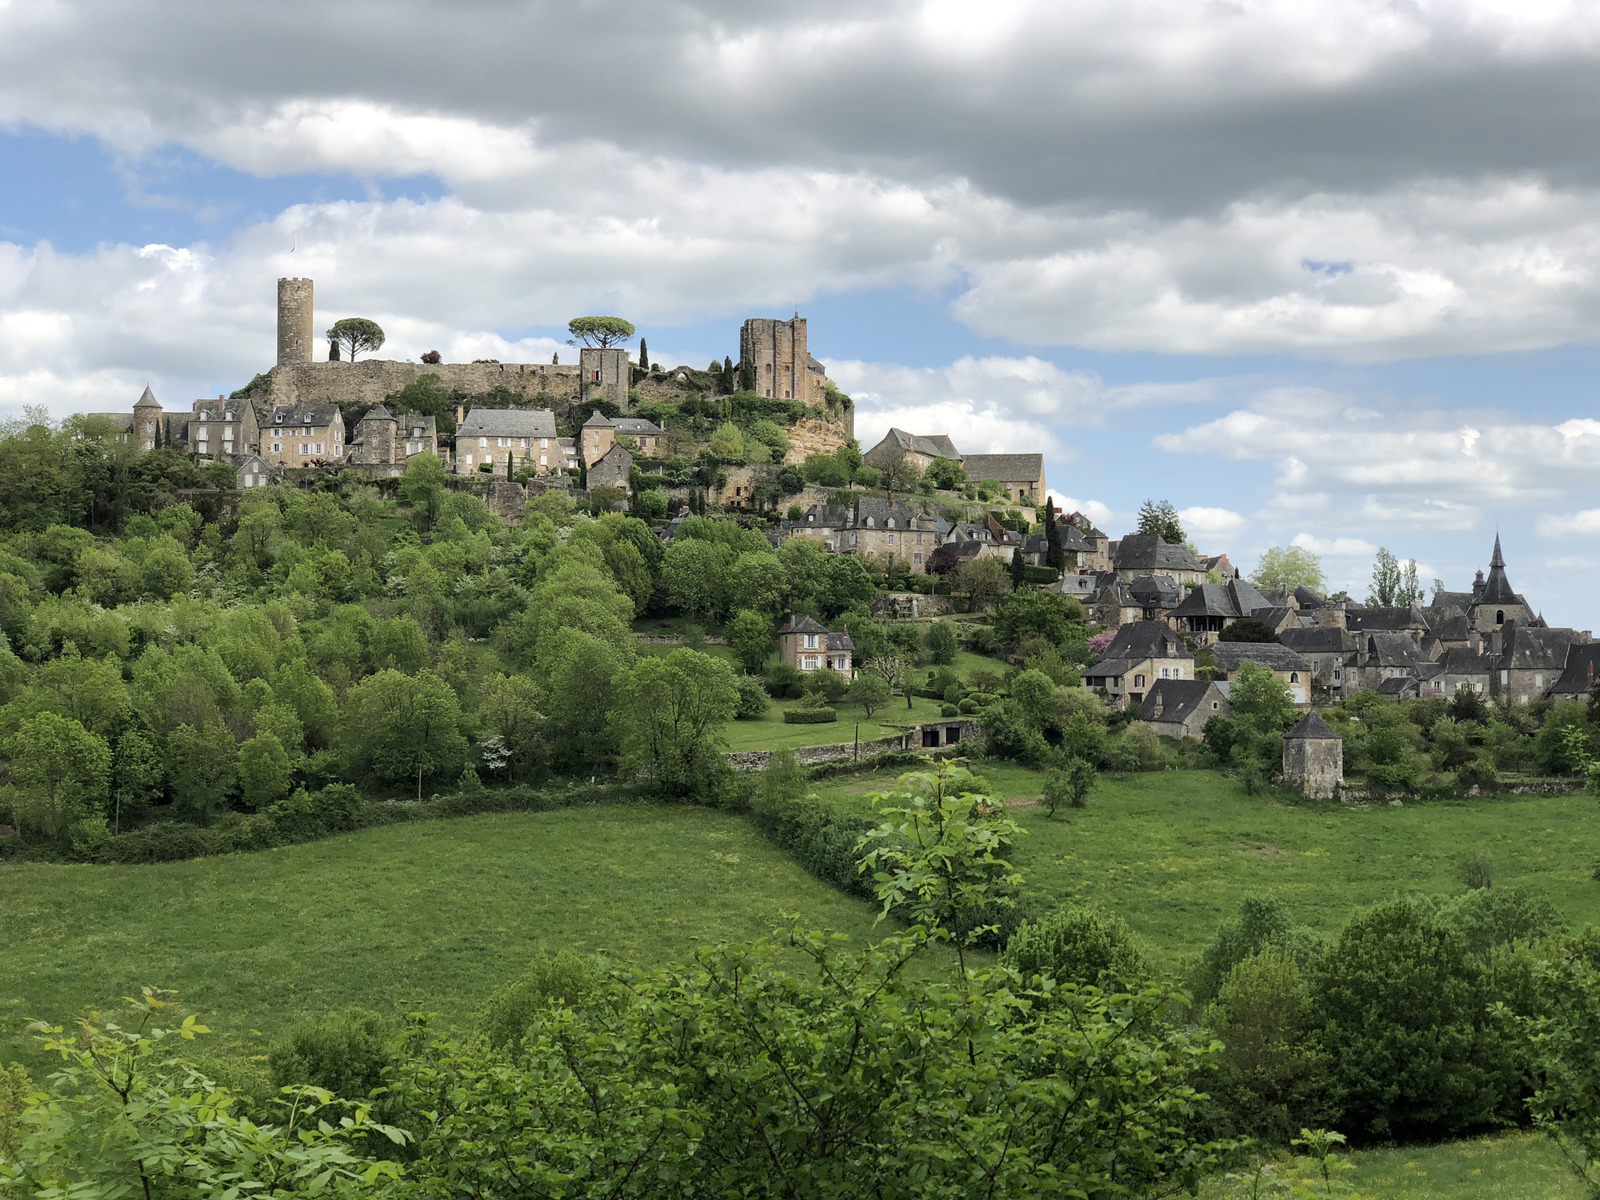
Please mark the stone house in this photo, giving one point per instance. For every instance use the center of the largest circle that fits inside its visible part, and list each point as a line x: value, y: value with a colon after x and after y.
x: 1146, y: 554
x: 1412, y: 621
x: 1326, y: 652
x: 1113, y: 604
x: 303, y: 435
x: 1210, y: 608
x: 1531, y: 662
x: 1578, y: 677
x: 1292, y: 670
x: 384, y: 439
x: 491, y: 435
x: 1180, y: 708
x: 873, y: 526
x: 919, y: 449
x: 1381, y: 657
x: 1139, y: 655
x: 1313, y: 758
x: 255, y: 471
x: 222, y: 428
x: 615, y: 470
x: 1095, y: 555
x: 600, y: 432
x: 1461, y: 666
x: 1219, y: 565
x: 1020, y: 476
x: 808, y: 646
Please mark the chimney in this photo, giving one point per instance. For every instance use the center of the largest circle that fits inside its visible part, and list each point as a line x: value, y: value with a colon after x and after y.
x: 461, y: 415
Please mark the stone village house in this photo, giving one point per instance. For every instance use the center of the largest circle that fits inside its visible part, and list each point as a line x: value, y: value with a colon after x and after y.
x: 1180, y: 708
x: 808, y: 646
x: 1136, y: 658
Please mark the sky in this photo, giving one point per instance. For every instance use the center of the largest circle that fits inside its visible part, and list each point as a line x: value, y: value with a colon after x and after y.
x: 1324, y: 275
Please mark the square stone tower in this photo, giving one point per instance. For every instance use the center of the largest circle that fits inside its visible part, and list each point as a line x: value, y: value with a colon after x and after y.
x: 1313, y: 758
x: 605, y: 374
x: 775, y: 360
x: 294, y: 321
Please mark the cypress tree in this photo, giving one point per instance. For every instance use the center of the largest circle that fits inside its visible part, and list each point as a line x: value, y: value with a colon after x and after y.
x: 727, y: 375
x: 644, y: 357
x: 511, y: 463
x: 1019, y: 569
x: 1053, y: 557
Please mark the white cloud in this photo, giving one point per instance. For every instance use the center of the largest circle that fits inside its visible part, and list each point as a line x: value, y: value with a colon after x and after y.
x: 1103, y: 515
x: 1335, y: 547
x: 1573, y: 525
x: 1210, y: 524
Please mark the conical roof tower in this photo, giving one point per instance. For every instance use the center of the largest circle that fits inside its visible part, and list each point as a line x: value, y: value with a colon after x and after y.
x: 1497, y: 588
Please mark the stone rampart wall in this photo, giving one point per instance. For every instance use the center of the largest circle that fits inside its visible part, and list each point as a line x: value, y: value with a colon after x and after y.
x: 371, y: 380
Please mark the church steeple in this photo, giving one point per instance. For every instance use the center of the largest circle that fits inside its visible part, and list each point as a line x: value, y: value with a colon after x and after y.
x: 1499, y: 559
x: 1498, y: 588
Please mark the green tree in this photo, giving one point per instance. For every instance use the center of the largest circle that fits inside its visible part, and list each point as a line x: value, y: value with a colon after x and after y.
x: 1259, y: 695
x: 1070, y: 785
x: 1290, y: 567
x: 728, y: 441
x: 749, y: 636
x: 694, y: 574
x: 513, y: 706
x: 355, y: 334
x: 1248, y: 630
x: 1026, y: 613
x: 644, y: 355
x: 202, y: 767
x: 422, y: 487
x: 265, y: 771
x: 672, y: 710
x: 870, y: 690
x: 983, y: 581
x: 1078, y: 944
x: 946, y: 474
x: 403, y: 727
x: 1393, y: 585
x: 942, y: 643
x: 600, y: 331
x: 1161, y: 518
x: 61, y: 772
x: 138, y: 776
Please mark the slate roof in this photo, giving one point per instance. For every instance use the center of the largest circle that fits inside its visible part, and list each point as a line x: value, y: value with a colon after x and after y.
x: 1155, y: 591
x: 147, y: 400
x: 303, y: 414
x: 636, y: 426
x: 1443, y: 600
x: 598, y: 420
x: 1307, y: 598
x: 840, y: 641
x: 1398, y: 686
x: 1389, y: 649
x: 1313, y: 641
x: 801, y: 625
x: 1006, y: 468
x: 1360, y: 620
x: 935, y: 445
x: 1277, y: 617
x: 1147, y: 552
x: 1452, y: 629
x: 1463, y: 660
x: 508, y: 422
x: 1583, y: 668
x: 1497, y: 590
x: 1535, y: 649
x: 1177, y: 699
x: 1147, y: 639
x: 1236, y: 598
x: 1071, y: 538
x: 1272, y: 655
x: 1310, y: 728
x: 377, y: 412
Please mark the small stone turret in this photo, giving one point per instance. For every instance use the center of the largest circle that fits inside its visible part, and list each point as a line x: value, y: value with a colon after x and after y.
x: 147, y: 418
x: 294, y: 321
x: 1313, y: 758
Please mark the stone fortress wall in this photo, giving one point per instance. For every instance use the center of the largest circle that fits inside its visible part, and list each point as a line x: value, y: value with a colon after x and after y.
x: 372, y: 380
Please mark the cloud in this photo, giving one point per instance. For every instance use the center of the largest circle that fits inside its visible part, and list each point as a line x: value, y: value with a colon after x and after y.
x: 1335, y: 547
x: 1103, y: 515
x: 1351, y: 180
x: 1211, y: 524
x: 1574, y: 525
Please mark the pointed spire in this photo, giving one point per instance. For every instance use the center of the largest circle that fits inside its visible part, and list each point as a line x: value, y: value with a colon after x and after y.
x: 148, y: 400
x: 1499, y: 559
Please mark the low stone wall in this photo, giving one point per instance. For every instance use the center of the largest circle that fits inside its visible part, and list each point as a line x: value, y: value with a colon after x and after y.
x: 914, y: 738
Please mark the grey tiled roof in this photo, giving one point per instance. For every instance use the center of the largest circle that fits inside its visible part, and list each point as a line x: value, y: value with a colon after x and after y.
x: 1388, y: 649
x: 1583, y: 668
x: 935, y: 445
x: 1006, y: 468
x: 303, y: 414
x: 1147, y: 552
x: 1272, y: 655
x: 1177, y: 699
x: 1363, y: 619
x: 1314, y: 641
x: 508, y: 422
x: 1147, y: 639
x: 1312, y: 728
x: 1535, y: 649
x: 636, y: 426
x: 801, y: 625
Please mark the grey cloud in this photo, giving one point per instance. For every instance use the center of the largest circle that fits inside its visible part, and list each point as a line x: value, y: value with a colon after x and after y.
x: 1166, y: 108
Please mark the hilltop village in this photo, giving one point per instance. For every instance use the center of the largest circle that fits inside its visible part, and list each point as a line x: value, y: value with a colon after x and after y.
x: 769, y: 439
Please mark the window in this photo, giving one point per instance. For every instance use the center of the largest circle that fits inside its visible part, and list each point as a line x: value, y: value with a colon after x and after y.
x: 483, y: 443
x: 544, y: 443
x: 1505, y: 678
x: 466, y: 460
x: 891, y: 539
x: 277, y: 447
x: 319, y: 449
x: 1338, y: 675
x: 1294, y: 676
x: 544, y: 460
x: 505, y: 441
x: 810, y: 641
x: 1138, y: 681
x: 1500, y: 616
x: 525, y: 443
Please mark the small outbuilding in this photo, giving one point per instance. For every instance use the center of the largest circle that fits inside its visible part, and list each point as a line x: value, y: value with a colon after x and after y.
x: 1313, y: 758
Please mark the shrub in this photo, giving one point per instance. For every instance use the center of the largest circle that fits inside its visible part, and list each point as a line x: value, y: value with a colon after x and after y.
x: 1077, y: 944
x: 949, y: 710
x: 345, y: 1052
x: 565, y: 979
x: 1262, y: 923
x: 782, y: 681
x: 164, y: 841
x: 809, y: 716
x: 1070, y: 786
x: 942, y: 643
x: 752, y: 702
x: 1479, y: 873
x: 1478, y: 773
x: 967, y: 706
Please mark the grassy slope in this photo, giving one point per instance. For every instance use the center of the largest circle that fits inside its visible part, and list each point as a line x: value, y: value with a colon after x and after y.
x: 1518, y: 1166
x: 1174, y: 852
x: 428, y: 916
x: 770, y: 733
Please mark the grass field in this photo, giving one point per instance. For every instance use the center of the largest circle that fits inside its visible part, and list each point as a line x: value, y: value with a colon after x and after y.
x: 1175, y: 852
x: 770, y: 733
x: 430, y: 916
x: 1517, y: 1166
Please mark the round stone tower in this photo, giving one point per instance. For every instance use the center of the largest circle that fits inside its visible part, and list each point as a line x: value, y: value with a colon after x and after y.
x: 294, y: 321
x: 146, y: 420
